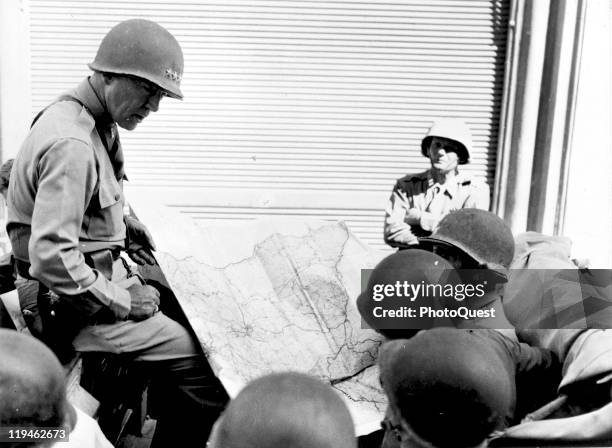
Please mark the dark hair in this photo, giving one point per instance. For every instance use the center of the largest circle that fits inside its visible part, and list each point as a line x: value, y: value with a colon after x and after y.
x: 5, y: 173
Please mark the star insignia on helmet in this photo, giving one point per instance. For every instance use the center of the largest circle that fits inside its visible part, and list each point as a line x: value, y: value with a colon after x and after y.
x: 173, y: 75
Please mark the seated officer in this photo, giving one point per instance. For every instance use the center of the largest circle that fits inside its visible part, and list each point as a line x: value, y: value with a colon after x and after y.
x: 447, y: 388
x: 67, y: 227
x: 33, y: 395
x: 289, y: 410
x: 419, y: 201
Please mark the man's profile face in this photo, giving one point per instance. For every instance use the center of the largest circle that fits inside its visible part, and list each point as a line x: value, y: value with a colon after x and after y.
x: 443, y: 154
x: 130, y: 100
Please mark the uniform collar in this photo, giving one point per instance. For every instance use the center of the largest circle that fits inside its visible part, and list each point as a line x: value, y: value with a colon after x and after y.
x: 450, y: 188
x: 104, y: 124
x: 87, y: 95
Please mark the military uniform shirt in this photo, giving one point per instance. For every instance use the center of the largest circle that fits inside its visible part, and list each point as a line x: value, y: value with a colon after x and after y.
x: 432, y: 201
x: 67, y: 188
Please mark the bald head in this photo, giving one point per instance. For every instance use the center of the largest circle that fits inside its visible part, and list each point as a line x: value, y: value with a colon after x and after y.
x: 32, y: 383
x: 289, y: 410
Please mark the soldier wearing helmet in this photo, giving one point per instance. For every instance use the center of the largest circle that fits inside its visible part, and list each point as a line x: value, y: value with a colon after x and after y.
x: 447, y: 388
x: 435, y: 411
x: 409, y: 267
x: 67, y: 227
x: 33, y: 395
x: 419, y: 201
x: 480, y: 235
x: 287, y: 409
x: 481, y: 246
x: 439, y: 399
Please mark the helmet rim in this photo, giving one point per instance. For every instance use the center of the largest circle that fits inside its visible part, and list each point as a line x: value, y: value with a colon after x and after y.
x: 448, y: 241
x: 464, y: 154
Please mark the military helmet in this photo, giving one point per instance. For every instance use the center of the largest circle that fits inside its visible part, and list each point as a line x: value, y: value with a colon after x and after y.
x: 413, y: 267
x: 145, y: 49
x: 454, y: 129
x: 286, y: 409
x: 451, y: 387
x: 482, y: 235
x: 32, y: 386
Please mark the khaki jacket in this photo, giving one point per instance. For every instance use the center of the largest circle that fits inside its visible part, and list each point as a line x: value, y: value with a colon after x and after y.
x: 420, y: 194
x: 65, y: 198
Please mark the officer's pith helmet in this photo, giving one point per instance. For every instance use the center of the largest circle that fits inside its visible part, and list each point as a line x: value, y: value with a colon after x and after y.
x: 454, y: 129
x: 144, y: 49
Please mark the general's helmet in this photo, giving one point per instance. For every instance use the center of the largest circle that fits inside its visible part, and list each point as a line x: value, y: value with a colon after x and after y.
x: 145, y: 49
x: 454, y: 129
x: 482, y: 235
x: 451, y: 387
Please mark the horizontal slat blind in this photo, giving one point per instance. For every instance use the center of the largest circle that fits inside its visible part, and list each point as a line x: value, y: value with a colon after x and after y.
x: 327, y: 96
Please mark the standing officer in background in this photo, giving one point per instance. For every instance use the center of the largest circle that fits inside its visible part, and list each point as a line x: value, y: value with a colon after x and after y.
x: 67, y: 228
x: 419, y: 201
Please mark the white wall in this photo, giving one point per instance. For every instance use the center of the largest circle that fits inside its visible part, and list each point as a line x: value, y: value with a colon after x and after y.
x: 303, y: 108
x: 588, y: 219
x: 15, y: 96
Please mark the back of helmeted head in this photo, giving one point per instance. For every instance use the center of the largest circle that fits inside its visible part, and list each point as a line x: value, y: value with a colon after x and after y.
x: 449, y: 386
x: 481, y: 234
x: 32, y: 383
x: 407, y: 267
x: 289, y: 410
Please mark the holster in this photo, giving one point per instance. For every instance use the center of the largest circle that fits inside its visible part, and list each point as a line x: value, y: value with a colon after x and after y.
x: 57, y: 319
x: 102, y: 261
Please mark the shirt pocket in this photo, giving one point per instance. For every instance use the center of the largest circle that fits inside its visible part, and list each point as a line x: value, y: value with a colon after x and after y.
x: 105, y: 213
x: 110, y: 193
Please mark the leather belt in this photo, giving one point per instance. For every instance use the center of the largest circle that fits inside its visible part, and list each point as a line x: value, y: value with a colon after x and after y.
x: 101, y: 260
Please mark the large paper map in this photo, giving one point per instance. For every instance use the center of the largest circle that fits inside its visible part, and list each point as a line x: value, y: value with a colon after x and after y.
x: 272, y: 296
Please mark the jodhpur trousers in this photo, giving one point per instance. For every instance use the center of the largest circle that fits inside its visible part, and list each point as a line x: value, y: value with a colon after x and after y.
x: 166, y: 350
